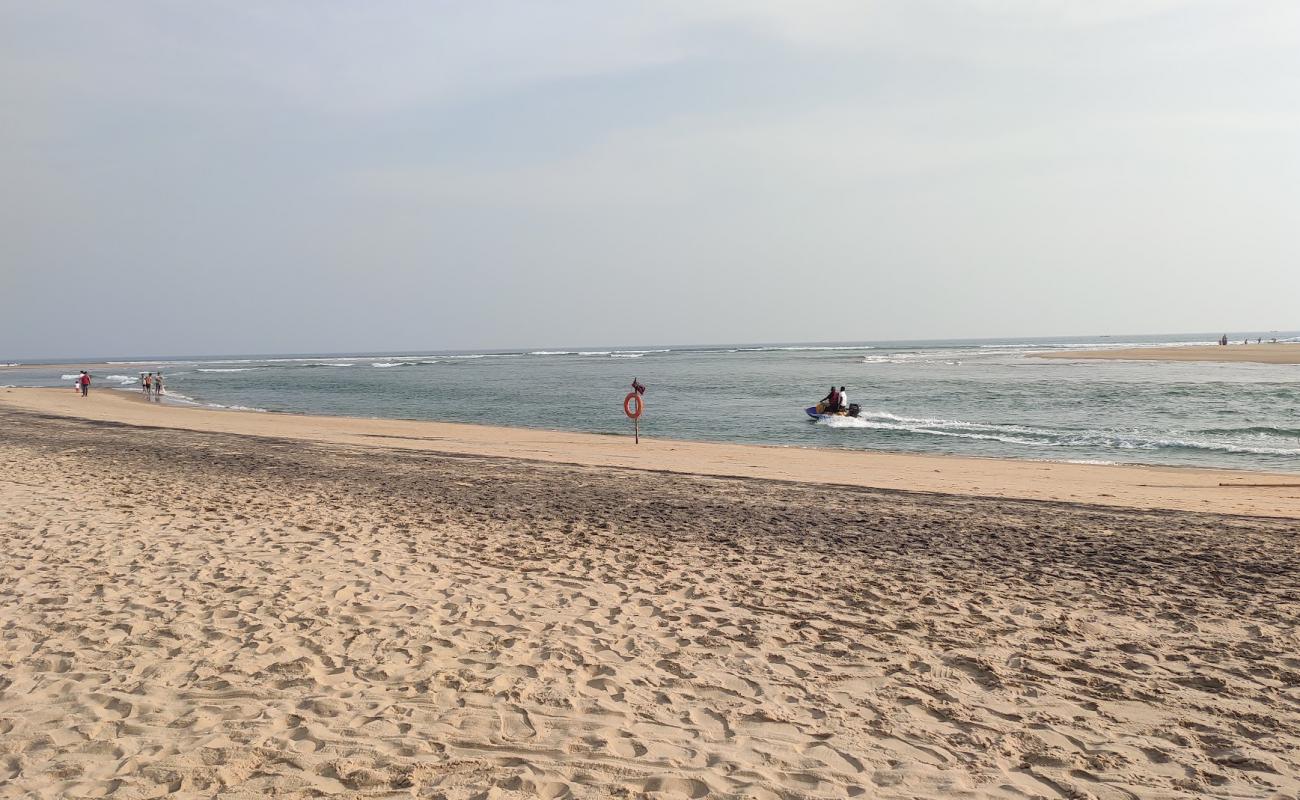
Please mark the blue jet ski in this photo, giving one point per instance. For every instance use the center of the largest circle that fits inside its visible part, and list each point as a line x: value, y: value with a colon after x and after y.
x: 819, y: 411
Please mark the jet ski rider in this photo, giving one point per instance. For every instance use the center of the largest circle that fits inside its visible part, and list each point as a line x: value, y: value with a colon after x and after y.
x: 832, y: 401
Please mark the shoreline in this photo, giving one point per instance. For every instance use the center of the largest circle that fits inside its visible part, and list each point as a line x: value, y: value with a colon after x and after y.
x: 1239, y: 492
x: 1266, y: 353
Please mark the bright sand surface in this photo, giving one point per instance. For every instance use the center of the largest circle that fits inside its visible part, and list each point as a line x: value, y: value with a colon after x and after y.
x: 198, y: 603
x: 1280, y: 353
x: 1220, y: 491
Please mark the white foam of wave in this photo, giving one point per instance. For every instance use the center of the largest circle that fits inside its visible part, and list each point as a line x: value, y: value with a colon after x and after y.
x: 635, y: 353
x: 386, y: 364
x: 11, y: 364
x: 610, y: 353
x: 1042, y: 437
x: 1193, y: 444
x: 800, y: 348
x: 177, y: 398
x: 406, y: 359
x: 226, y: 369
x: 340, y: 361
x: 118, y: 378
x: 222, y: 361
x: 173, y: 396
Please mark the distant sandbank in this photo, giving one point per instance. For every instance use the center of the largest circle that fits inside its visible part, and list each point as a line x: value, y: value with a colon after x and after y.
x: 1272, y: 353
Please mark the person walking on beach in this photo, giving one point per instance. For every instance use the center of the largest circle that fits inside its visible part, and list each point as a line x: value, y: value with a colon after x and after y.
x: 157, y: 388
x: 146, y: 384
x: 85, y: 383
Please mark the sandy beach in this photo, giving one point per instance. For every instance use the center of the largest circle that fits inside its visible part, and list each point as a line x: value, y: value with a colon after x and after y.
x: 199, y: 603
x: 1278, y: 353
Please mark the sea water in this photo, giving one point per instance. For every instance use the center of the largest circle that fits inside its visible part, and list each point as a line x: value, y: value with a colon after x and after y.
x: 965, y: 397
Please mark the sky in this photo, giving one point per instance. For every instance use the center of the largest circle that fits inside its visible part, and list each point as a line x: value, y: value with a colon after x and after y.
x: 211, y: 177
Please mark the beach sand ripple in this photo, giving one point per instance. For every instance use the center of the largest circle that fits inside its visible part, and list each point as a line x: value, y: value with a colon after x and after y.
x: 189, y: 614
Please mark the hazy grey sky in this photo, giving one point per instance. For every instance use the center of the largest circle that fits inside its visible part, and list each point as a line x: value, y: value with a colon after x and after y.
x: 319, y: 176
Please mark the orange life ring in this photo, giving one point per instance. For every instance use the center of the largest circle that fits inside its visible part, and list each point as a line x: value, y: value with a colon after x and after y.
x: 633, y: 397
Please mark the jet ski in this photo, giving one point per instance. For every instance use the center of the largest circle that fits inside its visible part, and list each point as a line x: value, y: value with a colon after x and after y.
x: 819, y: 411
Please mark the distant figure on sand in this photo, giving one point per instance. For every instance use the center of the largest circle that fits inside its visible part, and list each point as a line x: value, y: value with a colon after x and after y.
x: 157, y: 388
x: 146, y: 384
x: 1223, y: 340
x: 85, y: 383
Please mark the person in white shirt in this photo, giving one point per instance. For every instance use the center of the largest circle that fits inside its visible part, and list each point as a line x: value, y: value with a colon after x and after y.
x: 844, y: 399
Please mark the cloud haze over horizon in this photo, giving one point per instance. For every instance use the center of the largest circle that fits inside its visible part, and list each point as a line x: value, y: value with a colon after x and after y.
x: 311, y: 177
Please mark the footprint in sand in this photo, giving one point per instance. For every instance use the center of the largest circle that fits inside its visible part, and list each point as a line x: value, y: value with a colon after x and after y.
x: 626, y: 748
x: 515, y: 725
x: 677, y: 787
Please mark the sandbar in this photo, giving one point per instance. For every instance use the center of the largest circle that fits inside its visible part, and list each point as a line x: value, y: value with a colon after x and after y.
x: 1272, y: 353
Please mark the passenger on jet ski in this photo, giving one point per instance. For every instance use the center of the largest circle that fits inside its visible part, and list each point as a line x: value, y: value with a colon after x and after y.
x: 832, y: 401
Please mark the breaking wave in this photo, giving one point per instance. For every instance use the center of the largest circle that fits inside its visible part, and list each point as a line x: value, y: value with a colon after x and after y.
x: 176, y: 398
x: 801, y: 348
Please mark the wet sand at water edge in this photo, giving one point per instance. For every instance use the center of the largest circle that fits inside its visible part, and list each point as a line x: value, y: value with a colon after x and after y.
x: 198, y: 612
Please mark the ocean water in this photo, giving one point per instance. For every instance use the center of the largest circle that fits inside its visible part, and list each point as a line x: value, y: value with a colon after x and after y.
x: 966, y: 397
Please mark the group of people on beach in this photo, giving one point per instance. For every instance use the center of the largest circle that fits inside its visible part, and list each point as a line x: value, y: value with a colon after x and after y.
x: 152, y: 386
